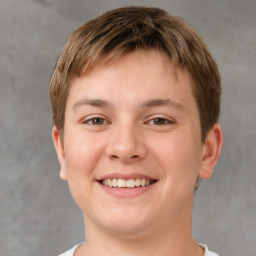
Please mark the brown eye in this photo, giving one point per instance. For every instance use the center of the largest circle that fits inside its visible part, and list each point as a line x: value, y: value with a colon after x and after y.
x: 160, y: 121
x: 97, y: 121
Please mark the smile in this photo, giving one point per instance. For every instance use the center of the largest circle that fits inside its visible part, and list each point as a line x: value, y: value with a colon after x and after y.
x: 122, y: 183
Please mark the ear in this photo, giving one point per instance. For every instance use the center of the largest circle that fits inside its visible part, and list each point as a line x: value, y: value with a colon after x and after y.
x: 211, y: 151
x: 59, y: 147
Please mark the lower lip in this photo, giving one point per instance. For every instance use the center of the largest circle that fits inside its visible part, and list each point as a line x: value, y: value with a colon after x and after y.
x: 126, y: 192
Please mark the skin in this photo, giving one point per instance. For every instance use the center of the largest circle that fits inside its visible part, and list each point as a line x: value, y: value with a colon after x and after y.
x: 147, y: 123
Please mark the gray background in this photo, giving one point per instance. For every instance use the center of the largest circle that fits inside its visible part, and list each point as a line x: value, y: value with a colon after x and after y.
x: 37, y: 214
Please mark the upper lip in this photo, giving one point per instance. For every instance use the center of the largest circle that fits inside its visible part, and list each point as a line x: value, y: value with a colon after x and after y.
x: 125, y: 176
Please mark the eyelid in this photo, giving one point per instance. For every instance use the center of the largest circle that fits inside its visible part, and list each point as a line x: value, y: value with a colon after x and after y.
x: 89, y: 119
x: 168, y: 120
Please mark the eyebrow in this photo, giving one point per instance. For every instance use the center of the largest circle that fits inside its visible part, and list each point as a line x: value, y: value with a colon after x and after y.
x: 92, y: 102
x: 100, y: 103
x: 163, y: 102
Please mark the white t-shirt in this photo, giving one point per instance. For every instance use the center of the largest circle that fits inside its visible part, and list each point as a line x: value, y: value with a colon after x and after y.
x: 207, y: 252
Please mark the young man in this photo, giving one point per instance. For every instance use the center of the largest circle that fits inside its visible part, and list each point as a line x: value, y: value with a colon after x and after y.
x: 135, y: 105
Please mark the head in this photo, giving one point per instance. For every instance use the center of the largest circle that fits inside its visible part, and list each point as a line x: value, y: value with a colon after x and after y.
x: 108, y: 129
x: 122, y: 31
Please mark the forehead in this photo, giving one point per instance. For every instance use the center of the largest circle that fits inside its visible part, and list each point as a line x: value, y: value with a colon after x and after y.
x: 148, y: 73
x: 117, y: 58
x: 139, y: 57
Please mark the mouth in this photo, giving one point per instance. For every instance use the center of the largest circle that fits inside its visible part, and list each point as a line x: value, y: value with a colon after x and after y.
x: 130, y: 183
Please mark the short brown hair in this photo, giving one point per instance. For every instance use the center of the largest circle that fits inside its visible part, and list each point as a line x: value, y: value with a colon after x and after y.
x: 124, y: 30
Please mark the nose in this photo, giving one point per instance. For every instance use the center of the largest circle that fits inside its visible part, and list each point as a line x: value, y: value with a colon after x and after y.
x: 126, y: 144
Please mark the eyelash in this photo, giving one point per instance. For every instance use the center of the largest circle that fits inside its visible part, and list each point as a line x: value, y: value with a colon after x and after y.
x: 91, y: 120
x: 98, y: 121
x: 161, y: 119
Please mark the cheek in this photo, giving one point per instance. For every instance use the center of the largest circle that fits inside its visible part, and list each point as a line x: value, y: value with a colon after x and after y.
x: 178, y: 155
x: 82, y: 154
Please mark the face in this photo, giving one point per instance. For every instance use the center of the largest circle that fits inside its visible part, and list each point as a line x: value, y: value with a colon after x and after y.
x: 132, y: 147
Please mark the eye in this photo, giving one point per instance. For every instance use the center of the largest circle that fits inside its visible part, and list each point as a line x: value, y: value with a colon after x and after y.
x: 160, y: 121
x: 96, y: 121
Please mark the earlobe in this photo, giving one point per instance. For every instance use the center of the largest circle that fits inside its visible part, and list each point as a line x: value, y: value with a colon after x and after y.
x: 211, y: 151
x: 59, y: 147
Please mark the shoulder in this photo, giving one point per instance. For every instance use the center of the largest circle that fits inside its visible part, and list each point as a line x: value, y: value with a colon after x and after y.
x: 207, y: 252
x: 70, y: 252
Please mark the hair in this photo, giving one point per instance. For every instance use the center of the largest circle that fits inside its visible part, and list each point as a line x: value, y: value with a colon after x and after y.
x: 125, y: 30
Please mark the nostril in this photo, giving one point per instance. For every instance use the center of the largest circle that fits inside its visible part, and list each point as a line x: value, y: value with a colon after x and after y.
x: 114, y: 156
x: 131, y: 157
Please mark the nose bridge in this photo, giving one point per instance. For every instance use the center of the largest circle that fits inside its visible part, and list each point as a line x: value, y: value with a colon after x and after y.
x: 125, y: 142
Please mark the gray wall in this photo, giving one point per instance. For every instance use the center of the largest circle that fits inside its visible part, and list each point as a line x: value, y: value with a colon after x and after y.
x: 37, y: 214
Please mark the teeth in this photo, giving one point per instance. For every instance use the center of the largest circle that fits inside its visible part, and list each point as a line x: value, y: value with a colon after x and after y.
x: 114, y: 182
x: 132, y: 183
x: 121, y: 183
x: 110, y: 183
x: 137, y: 182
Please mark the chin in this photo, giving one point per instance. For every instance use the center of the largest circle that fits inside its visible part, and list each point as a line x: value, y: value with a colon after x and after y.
x: 127, y: 222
